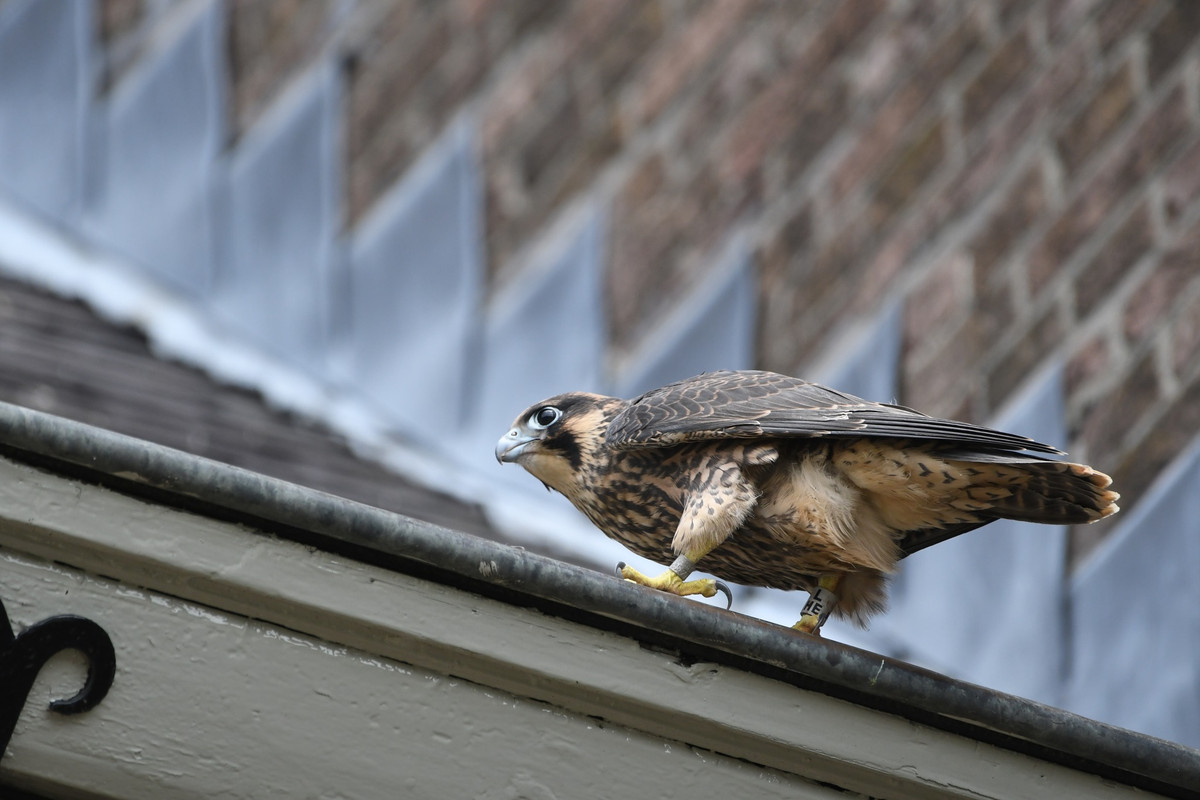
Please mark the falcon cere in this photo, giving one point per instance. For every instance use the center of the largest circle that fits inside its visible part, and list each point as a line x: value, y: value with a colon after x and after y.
x: 767, y: 480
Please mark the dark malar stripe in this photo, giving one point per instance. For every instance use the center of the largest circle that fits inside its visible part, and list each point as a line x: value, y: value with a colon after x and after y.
x: 567, y: 445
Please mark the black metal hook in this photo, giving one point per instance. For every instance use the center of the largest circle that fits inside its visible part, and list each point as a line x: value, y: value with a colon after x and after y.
x: 23, y: 656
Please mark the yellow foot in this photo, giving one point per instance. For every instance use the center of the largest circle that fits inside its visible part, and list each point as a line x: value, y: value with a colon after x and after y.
x: 819, y: 604
x: 668, y: 581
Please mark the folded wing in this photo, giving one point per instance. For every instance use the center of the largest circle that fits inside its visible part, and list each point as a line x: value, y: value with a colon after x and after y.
x: 747, y: 404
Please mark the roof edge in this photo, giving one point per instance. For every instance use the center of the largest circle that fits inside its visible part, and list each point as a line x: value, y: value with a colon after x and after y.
x: 172, y: 476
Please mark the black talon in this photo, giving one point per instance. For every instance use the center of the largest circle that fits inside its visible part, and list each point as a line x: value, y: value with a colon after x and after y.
x: 721, y: 587
x: 620, y: 566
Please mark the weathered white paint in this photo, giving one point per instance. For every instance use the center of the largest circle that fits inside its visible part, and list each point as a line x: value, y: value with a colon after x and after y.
x: 254, y: 667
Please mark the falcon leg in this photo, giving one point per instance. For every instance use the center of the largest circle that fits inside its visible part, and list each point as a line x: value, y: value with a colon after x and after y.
x: 819, y: 604
x: 672, y: 580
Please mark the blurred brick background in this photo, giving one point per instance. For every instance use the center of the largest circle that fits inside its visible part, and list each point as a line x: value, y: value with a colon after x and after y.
x: 1025, y: 175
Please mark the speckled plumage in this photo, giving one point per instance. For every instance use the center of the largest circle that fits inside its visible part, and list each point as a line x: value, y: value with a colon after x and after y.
x: 767, y: 480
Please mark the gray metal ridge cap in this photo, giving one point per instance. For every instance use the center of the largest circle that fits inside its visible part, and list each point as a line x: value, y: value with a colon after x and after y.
x: 857, y: 675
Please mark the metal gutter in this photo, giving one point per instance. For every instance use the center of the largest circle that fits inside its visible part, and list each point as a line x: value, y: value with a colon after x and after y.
x: 703, y: 632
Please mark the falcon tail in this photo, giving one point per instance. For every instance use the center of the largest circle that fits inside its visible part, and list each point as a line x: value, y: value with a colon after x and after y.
x: 1051, y: 492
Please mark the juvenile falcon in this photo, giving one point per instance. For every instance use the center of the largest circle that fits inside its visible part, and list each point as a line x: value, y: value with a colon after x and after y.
x: 767, y: 480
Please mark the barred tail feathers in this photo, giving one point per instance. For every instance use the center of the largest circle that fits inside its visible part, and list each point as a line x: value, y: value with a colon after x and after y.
x: 1051, y: 492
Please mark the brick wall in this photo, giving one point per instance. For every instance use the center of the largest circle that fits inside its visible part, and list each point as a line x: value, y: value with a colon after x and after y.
x: 1026, y: 175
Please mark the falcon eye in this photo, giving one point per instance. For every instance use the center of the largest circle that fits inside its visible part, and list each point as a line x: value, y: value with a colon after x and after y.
x: 545, y: 416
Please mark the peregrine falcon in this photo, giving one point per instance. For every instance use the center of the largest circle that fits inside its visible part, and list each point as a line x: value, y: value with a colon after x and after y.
x: 767, y: 480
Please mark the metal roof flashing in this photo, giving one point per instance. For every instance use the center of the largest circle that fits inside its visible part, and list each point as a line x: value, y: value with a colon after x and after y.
x: 697, y: 632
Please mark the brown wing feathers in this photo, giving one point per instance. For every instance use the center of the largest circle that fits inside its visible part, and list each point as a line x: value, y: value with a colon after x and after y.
x: 746, y: 404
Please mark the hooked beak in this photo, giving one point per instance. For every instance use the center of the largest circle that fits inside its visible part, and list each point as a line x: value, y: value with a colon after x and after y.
x: 512, y: 445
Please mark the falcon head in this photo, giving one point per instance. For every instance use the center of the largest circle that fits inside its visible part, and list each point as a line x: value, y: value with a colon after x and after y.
x: 558, y: 439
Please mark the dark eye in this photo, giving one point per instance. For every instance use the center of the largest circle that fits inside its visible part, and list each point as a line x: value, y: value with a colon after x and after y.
x: 544, y: 417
